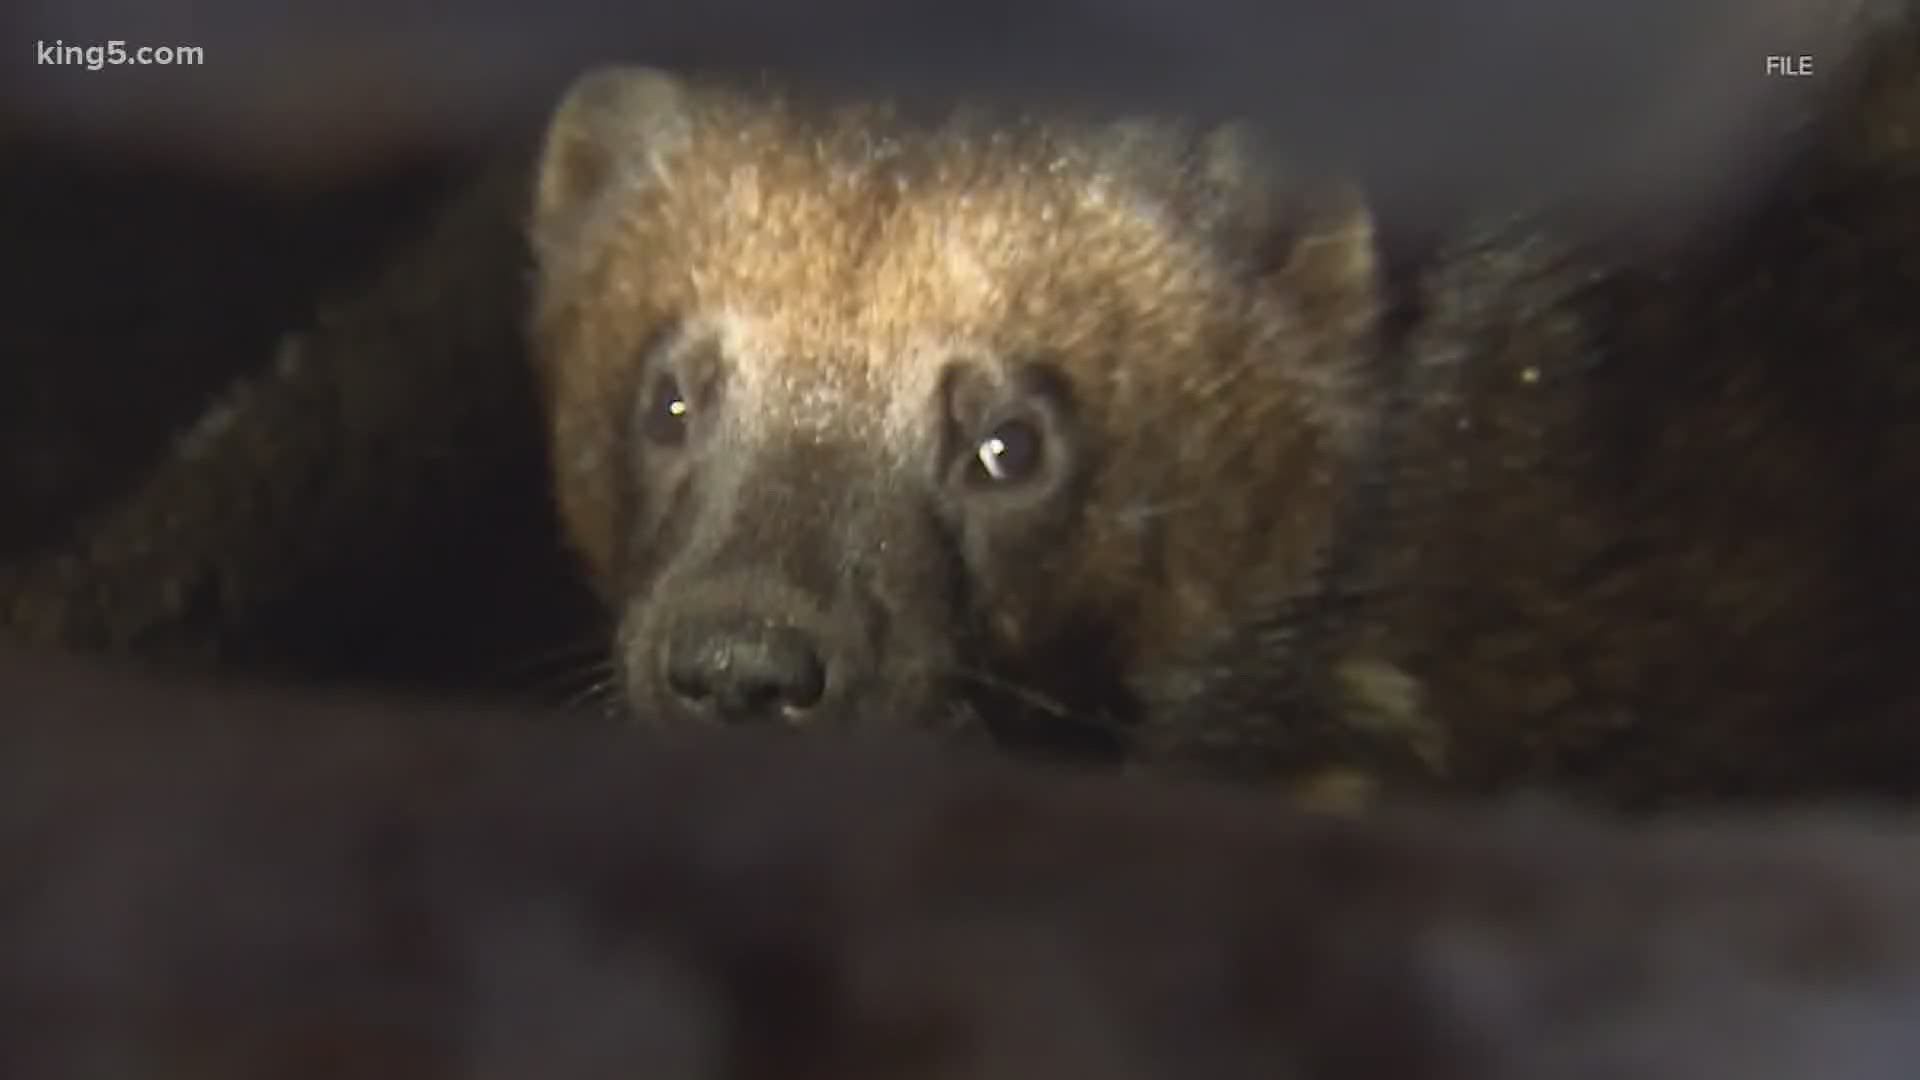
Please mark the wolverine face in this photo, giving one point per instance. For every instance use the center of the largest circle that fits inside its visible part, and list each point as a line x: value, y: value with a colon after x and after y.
x: 805, y: 539
x: 998, y: 426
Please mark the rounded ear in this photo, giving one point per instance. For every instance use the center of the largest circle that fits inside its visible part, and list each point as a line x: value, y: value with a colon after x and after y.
x: 614, y: 125
x: 1311, y: 236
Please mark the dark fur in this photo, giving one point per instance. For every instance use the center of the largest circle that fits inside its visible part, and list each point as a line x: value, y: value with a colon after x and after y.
x: 328, y: 515
x: 227, y: 886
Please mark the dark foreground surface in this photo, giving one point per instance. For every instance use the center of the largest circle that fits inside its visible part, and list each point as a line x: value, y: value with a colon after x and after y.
x: 229, y: 886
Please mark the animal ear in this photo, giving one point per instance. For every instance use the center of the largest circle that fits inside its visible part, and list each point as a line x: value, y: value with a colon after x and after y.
x: 1312, y: 236
x: 614, y: 124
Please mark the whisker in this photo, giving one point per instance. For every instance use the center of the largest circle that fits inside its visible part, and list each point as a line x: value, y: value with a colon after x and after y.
x: 1040, y: 700
x: 572, y: 683
x: 568, y: 656
x: 1026, y: 695
x: 1142, y: 511
x: 599, y: 694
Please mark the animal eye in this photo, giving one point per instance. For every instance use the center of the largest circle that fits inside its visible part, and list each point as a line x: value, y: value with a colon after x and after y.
x: 665, y: 419
x: 1009, y: 453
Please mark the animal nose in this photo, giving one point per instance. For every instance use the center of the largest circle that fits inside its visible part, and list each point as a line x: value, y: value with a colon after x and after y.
x: 744, y: 672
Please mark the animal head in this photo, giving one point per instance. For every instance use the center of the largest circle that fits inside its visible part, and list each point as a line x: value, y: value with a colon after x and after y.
x: 858, y: 416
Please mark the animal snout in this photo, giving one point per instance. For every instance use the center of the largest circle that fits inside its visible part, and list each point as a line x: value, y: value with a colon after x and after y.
x: 743, y: 670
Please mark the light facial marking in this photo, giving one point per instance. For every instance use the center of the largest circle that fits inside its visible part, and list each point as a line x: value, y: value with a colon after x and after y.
x: 875, y: 387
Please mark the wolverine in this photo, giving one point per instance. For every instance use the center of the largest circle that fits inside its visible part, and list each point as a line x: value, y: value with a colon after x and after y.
x: 1131, y: 440
x: 848, y: 416
x: 1122, y: 436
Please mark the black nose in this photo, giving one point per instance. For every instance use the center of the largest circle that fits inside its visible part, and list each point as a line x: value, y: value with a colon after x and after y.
x: 743, y: 672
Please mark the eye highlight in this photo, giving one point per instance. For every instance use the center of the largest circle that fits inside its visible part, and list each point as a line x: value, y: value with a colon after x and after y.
x: 1010, y: 452
x: 665, y: 413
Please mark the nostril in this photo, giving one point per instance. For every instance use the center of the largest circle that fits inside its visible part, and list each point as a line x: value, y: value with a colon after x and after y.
x: 798, y: 671
x: 745, y: 672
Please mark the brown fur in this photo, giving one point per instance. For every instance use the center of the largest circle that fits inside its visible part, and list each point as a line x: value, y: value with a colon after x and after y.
x: 1575, y: 520
x: 835, y: 271
x: 214, y: 885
